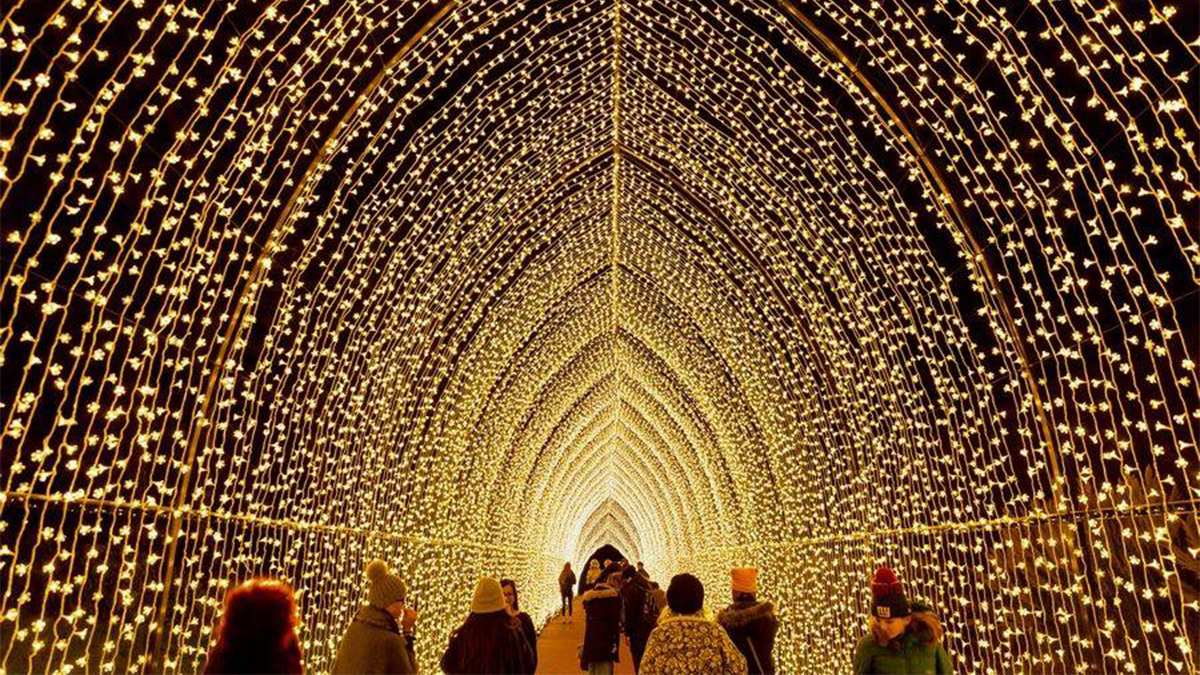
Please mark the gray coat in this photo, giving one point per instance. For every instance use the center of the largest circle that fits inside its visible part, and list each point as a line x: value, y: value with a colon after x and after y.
x: 373, y: 644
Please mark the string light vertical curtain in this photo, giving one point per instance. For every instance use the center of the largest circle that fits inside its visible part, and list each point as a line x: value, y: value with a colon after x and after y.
x: 476, y: 287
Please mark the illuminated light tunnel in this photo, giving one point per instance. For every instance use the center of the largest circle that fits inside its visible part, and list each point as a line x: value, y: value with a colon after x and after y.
x: 479, y: 287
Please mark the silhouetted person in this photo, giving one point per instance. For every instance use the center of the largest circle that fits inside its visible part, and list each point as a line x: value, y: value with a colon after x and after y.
x: 602, y: 635
x: 751, y: 624
x: 685, y: 641
x: 660, y: 600
x: 374, y: 642
x: 566, y: 589
x: 638, y: 607
x: 257, y: 631
x: 489, y: 640
x: 513, y: 603
x: 901, y: 639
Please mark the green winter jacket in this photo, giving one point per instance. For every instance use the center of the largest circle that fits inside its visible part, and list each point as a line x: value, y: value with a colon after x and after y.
x: 373, y: 644
x: 908, y: 655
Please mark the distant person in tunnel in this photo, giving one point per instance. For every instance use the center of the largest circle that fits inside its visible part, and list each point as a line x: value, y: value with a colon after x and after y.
x: 638, y: 607
x: 685, y: 641
x: 901, y: 639
x: 257, y: 632
x: 602, y: 634
x: 513, y: 603
x: 660, y: 600
x: 751, y: 623
x: 375, y: 642
x: 641, y: 569
x: 566, y: 589
x: 489, y: 640
x: 592, y: 576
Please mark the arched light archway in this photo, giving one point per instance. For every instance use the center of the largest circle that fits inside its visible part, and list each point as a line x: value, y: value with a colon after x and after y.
x: 480, y: 286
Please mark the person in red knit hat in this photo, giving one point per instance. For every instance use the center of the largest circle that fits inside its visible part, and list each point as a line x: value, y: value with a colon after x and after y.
x: 901, y: 638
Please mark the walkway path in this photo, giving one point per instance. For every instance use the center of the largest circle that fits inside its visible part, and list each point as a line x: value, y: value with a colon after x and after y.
x: 558, y: 647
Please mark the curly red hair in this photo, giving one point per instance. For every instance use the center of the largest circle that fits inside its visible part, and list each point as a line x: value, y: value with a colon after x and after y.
x: 257, y: 631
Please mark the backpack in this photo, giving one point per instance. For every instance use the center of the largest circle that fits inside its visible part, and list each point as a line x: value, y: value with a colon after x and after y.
x: 650, y: 610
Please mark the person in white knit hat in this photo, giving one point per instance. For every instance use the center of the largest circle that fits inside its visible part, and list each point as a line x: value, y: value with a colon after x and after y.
x: 374, y: 641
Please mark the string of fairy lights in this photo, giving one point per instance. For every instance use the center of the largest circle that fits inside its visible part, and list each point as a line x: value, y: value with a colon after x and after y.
x: 478, y: 287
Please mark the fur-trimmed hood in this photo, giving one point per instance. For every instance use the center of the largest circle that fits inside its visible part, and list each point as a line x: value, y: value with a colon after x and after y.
x: 926, y: 627
x: 602, y: 631
x: 741, y: 614
x: 599, y: 591
x: 752, y: 626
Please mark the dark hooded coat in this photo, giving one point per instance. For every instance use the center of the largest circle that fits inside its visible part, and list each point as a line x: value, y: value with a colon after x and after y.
x: 752, y: 625
x: 601, y: 638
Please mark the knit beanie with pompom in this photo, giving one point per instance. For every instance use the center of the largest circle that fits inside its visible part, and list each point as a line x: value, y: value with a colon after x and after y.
x: 386, y: 588
x: 887, y: 595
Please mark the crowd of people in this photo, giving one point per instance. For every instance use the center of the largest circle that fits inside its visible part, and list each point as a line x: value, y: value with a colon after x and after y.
x: 668, y: 631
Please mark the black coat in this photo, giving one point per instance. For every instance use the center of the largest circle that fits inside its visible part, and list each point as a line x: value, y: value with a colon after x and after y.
x: 509, y: 650
x: 530, y: 633
x: 752, y: 623
x: 566, y: 582
x: 635, y: 593
x: 601, y: 638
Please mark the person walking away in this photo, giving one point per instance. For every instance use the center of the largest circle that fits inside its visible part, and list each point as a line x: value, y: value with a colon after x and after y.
x: 638, y: 608
x: 751, y: 624
x: 900, y: 639
x: 257, y: 631
x: 685, y: 641
x: 602, y: 632
x: 374, y: 641
x: 641, y: 569
x: 566, y: 589
x: 489, y: 639
x: 513, y: 603
x: 660, y: 600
